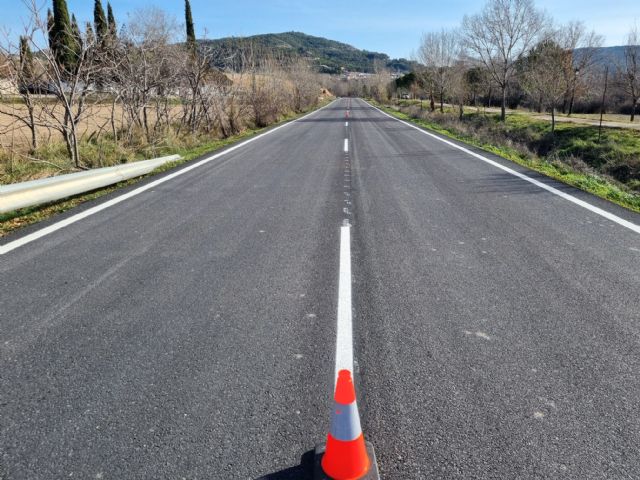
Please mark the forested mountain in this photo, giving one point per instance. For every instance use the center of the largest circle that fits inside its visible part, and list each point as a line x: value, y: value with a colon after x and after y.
x: 609, y: 56
x: 328, y: 55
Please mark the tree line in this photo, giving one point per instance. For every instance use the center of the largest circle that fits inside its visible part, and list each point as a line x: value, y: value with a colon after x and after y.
x: 150, y: 73
x: 511, y: 53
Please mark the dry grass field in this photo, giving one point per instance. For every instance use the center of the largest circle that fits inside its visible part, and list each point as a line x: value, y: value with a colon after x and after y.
x: 18, y: 161
x: 14, y: 135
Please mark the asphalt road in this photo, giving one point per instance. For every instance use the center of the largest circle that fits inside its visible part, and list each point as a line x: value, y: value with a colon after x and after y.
x: 189, y: 331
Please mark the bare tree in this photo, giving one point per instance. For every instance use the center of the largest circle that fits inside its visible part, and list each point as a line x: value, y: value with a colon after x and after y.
x: 439, y: 52
x: 69, y: 84
x: 198, y: 69
x: 423, y: 84
x: 379, y: 82
x: 543, y: 73
x: 305, y: 85
x: 499, y: 36
x: 21, y: 72
x: 149, y: 71
x: 208, y: 96
x: 630, y: 69
x: 429, y: 86
x: 266, y: 92
x: 223, y: 91
x: 475, y: 79
x: 227, y: 104
x: 151, y: 85
x: 460, y: 88
x: 580, y: 46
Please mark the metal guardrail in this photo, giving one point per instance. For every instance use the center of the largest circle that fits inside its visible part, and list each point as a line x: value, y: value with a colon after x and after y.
x: 37, y: 192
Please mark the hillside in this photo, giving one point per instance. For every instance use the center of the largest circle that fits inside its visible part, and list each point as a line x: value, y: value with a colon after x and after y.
x: 608, y: 56
x: 328, y: 55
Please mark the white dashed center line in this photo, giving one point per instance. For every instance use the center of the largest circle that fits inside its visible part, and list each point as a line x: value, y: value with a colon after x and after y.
x: 344, y: 336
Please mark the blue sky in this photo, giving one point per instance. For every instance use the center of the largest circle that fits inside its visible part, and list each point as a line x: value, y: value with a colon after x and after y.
x: 394, y: 28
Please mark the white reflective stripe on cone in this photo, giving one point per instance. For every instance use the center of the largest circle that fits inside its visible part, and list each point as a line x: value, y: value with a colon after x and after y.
x: 345, y: 423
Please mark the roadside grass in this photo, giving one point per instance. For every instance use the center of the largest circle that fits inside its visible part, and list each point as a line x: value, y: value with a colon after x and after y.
x: 607, y: 117
x: 52, y: 159
x: 14, y: 220
x: 571, y: 156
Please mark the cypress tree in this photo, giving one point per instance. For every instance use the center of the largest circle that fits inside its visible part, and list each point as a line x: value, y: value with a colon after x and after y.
x: 111, y: 20
x: 76, y: 36
x: 27, y: 84
x: 26, y: 63
x: 191, y: 34
x: 100, y: 21
x: 50, y: 27
x: 91, y: 37
x: 64, y: 47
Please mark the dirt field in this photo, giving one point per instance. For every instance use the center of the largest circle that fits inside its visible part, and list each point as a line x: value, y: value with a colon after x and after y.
x: 15, y: 135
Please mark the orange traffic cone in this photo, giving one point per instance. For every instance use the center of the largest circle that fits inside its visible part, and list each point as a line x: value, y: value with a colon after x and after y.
x: 345, y: 456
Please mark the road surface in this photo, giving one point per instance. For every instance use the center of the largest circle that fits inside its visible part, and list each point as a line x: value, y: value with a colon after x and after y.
x: 189, y: 331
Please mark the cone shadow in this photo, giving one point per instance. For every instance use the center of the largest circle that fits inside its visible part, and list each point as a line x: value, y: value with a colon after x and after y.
x: 304, y: 471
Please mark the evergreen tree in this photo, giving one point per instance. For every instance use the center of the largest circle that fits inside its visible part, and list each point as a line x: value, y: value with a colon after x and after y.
x: 63, y: 42
x: 50, y: 27
x: 100, y: 21
x: 191, y: 34
x: 26, y: 63
x: 76, y: 36
x: 113, y: 26
x: 89, y: 35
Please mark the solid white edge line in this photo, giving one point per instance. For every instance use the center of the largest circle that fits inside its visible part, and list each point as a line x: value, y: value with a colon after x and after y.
x: 346, y: 145
x: 344, y: 331
x: 603, y: 213
x: 10, y: 246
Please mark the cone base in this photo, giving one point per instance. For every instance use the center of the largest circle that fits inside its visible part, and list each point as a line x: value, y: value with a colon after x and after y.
x: 319, y: 474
